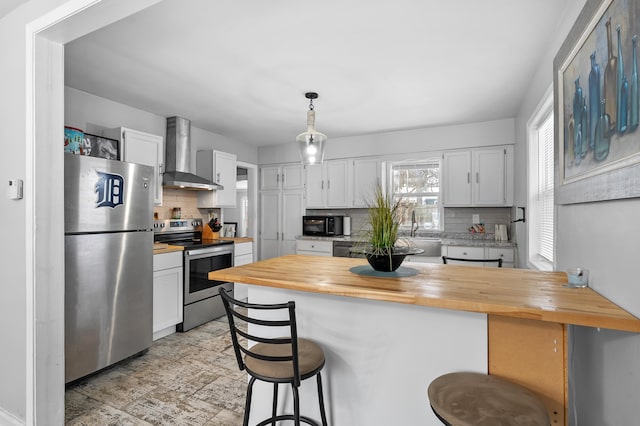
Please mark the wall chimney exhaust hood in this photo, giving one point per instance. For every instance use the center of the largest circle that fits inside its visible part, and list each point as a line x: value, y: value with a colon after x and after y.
x: 177, y: 158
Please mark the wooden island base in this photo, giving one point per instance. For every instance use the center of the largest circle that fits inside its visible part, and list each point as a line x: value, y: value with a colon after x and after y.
x: 513, y: 323
x: 533, y: 354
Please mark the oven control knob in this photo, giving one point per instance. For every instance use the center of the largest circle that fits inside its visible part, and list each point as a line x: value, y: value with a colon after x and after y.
x: 162, y: 225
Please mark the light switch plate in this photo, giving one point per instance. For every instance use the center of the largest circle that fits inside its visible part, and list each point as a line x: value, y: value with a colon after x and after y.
x: 476, y: 219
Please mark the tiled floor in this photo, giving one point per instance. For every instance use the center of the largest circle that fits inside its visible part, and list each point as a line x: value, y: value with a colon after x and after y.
x: 187, y: 378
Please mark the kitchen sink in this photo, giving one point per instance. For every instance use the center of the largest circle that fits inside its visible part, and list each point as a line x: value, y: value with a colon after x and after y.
x: 431, y: 246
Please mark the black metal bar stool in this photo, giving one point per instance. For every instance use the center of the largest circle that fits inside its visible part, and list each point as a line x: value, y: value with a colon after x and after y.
x: 498, y: 262
x: 466, y: 399
x: 286, y: 359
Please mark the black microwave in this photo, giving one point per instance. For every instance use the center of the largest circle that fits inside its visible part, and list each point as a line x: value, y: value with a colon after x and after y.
x: 322, y: 226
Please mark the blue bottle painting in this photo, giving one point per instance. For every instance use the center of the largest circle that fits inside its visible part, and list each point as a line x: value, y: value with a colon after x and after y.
x: 601, y: 136
x: 610, y: 79
x: 633, y: 87
x: 594, y: 100
x: 621, y: 90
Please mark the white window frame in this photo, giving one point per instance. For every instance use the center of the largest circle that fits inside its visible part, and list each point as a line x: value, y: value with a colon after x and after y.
x: 540, y: 115
x: 427, y: 160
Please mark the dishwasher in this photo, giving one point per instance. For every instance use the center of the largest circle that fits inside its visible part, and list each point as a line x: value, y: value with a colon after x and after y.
x: 342, y: 249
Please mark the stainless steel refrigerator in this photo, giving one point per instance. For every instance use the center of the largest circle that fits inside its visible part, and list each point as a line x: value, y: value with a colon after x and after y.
x: 108, y: 262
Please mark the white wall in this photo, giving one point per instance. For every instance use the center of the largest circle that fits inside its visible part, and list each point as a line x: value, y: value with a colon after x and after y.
x: 605, y: 382
x: 498, y: 132
x: 541, y: 80
x: 32, y: 264
x: 92, y: 114
x: 607, y: 368
x: 13, y: 264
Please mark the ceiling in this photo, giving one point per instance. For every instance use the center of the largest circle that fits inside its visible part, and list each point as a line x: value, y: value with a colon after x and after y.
x: 240, y: 68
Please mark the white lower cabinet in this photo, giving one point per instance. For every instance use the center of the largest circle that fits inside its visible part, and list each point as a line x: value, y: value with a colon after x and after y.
x: 167, y: 293
x: 463, y: 252
x: 243, y: 255
x: 314, y: 247
x: 507, y: 254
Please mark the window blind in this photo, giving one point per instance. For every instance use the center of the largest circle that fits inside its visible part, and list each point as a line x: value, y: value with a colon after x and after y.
x: 545, y: 187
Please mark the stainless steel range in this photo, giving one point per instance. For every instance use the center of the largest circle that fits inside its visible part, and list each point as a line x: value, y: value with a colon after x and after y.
x: 202, y: 302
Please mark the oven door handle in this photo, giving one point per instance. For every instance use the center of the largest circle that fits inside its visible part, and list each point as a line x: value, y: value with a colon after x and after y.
x: 209, y: 252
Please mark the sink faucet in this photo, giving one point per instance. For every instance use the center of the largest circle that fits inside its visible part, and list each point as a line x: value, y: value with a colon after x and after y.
x: 413, y: 222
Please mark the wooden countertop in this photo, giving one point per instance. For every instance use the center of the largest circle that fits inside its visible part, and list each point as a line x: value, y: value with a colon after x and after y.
x: 165, y: 248
x: 519, y: 293
x: 237, y: 239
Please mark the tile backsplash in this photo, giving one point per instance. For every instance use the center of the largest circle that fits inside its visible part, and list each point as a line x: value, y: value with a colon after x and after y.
x: 457, y: 220
x: 188, y: 203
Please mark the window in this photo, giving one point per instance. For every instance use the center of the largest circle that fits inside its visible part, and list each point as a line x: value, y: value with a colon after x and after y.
x: 541, y: 186
x: 417, y: 185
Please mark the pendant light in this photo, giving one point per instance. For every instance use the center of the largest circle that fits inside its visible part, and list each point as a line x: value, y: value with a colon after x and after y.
x: 311, y: 142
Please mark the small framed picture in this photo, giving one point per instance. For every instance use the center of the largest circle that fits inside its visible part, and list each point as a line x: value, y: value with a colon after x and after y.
x: 99, y: 146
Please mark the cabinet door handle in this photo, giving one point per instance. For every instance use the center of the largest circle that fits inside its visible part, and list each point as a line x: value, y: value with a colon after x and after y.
x: 468, y: 177
x: 283, y: 178
x: 504, y: 182
x: 218, y: 177
x: 477, y: 177
x: 277, y: 177
x: 161, y: 168
x: 321, y: 184
x: 328, y: 184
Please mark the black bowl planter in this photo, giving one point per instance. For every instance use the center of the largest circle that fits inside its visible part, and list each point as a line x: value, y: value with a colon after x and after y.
x: 384, y: 262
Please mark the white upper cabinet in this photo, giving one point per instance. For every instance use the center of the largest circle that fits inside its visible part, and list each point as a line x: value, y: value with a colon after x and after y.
x: 143, y: 148
x: 489, y: 180
x: 269, y: 178
x: 456, y: 178
x: 367, y: 173
x: 292, y: 176
x: 478, y: 177
x: 315, y: 191
x: 327, y: 184
x: 219, y: 167
x: 286, y: 176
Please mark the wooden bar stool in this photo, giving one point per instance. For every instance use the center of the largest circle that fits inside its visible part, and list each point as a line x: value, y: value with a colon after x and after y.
x: 466, y: 399
x: 284, y: 359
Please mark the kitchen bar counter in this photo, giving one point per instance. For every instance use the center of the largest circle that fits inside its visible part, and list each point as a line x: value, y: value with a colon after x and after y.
x: 519, y: 293
x: 381, y: 356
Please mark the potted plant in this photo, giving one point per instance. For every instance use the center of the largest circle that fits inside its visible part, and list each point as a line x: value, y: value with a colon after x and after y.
x: 384, y: 220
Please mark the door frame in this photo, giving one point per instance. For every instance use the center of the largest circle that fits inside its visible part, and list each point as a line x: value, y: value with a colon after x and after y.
x: 44, y: 221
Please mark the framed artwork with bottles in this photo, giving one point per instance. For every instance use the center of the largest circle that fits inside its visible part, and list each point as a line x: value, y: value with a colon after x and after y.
x: 596, y: 98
